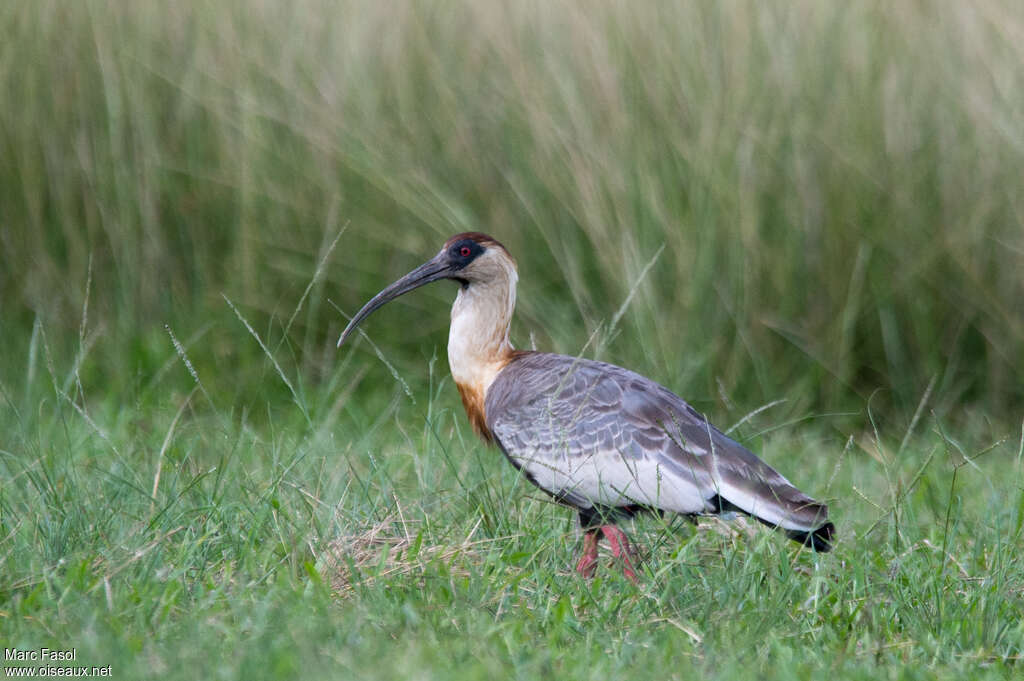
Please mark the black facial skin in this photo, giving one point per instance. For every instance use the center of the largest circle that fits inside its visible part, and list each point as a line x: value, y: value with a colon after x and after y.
x: 463, y: 253
x: 460, y: 255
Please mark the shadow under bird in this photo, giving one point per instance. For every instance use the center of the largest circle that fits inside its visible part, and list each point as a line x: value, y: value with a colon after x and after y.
x: 599, y: 438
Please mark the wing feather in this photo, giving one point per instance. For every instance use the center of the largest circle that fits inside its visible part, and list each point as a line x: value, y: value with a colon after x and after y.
x: 592, y: 433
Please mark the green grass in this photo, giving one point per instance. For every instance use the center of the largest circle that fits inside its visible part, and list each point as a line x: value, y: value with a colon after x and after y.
x: 389, y: 544
x: 812, y: 206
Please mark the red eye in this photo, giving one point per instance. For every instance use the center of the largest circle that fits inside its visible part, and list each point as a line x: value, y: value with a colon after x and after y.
x: 464, y: 251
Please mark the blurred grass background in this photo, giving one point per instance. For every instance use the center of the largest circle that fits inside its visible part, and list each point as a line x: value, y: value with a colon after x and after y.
x: 837, y: 187
x: 815, y: 202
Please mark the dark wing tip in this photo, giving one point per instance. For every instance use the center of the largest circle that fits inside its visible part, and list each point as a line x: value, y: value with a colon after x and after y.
x: 820, y: 539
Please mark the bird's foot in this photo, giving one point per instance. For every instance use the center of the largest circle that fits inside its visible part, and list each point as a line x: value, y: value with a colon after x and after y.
x: 621, y: 549
x: 587, y: 564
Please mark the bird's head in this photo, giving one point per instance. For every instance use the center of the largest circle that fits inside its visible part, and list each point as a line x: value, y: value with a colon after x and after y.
x: 469, y: 258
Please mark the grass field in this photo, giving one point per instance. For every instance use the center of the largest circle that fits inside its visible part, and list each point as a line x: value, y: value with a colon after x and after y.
x: 806, y: 218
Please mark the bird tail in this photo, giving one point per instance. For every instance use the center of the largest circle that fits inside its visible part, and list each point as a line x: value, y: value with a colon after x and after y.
x: 747, y: 484
x: 778, y: 504
x: 819, y: 539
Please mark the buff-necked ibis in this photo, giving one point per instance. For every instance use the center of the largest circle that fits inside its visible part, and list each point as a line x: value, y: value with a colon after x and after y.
x: 599, y: 438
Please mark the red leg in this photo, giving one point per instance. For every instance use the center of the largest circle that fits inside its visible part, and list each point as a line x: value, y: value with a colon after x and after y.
x: 588, y: 561
x: 620, y: 549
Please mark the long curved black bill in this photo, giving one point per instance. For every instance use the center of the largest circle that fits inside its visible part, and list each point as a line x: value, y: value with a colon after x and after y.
x: 429, y: 271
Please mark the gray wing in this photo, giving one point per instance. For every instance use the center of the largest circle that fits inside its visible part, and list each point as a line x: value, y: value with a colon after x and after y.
x: 596, y: 434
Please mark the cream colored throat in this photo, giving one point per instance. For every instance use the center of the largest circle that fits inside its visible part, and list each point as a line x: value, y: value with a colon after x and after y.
x: 478, y: 343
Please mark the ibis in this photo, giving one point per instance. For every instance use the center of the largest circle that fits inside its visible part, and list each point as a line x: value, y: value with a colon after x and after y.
x: 601, y: 439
